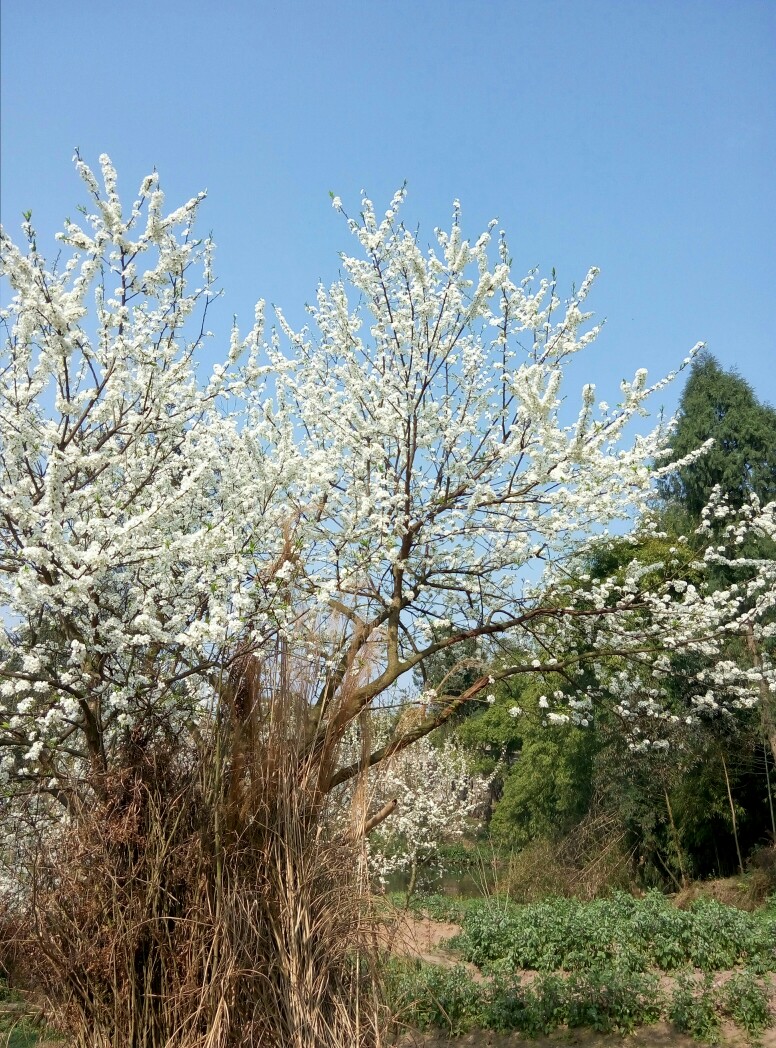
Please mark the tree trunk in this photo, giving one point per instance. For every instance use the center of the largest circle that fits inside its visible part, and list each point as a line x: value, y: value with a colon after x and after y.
x: 767, y: 701
x: 733, y: 814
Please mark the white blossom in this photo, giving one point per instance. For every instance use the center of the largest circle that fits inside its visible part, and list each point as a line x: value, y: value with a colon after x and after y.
x: 403, y: 465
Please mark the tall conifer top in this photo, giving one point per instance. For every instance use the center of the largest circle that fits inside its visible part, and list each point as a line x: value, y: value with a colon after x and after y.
x: 721, y: 405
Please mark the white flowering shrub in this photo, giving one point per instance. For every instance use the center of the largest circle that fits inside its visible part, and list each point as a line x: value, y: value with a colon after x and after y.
x: 432, y: 796
x: 437, y: 798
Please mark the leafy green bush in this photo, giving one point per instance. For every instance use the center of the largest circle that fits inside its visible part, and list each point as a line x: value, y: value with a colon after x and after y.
x: 692, y: 1007
x: 597, y: 965
x: 612, y: 999
x: 603, y: 999
x: 427, y: 996
x: 745, y: 1001
x: 510, y: 1005
x: 620, y: 932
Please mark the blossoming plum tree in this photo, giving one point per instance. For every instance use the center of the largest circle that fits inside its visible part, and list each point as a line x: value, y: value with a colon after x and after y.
x: 385, y: 480
x: 434, y: 798
x: 254, y: 557
x: 129, y: 553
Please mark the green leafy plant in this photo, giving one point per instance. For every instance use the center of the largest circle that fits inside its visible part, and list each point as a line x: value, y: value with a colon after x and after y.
x: 608, y: 999
x: 621, y: 932
x: 430, y: 997
x: 692, y: 1008
x: 745, y: 1000
x: 424, y: 996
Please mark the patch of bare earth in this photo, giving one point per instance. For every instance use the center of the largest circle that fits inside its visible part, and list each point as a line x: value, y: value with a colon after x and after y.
x: 659, y: 1036
x: 425, y: 940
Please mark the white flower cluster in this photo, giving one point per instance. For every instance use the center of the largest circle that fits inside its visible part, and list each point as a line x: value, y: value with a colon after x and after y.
x: 437, y: 802
x: 396, y: 469
x: 139, y: 523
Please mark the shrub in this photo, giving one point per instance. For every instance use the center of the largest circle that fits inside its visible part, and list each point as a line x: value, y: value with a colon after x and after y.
x: 427, y: 996
x: 608, y: 999
x: 619, y: 932
x: 745, y: 1000
x: 692, y: 1008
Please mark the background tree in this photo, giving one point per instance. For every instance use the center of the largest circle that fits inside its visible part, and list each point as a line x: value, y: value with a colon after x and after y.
x: 547, y: 786
x: 671, y: 760
x: 449, y: 673
x: 720, y: 405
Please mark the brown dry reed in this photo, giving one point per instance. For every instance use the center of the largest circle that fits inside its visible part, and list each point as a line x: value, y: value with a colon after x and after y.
x: 587, y: 863
x: 205, y: 894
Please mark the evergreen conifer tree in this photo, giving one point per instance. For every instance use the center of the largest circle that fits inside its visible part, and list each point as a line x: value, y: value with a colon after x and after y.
x: 721, y: 405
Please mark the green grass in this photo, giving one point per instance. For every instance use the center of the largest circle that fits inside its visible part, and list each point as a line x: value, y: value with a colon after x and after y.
x: 439, y: 907
x: 16, y: 1030
x: 21, y: 1036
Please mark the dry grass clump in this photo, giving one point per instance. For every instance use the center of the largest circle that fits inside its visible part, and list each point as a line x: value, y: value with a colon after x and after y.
x: 590, y: 861
x: 747, y: 892
x: 761, y: 873
x: 10, y: 936
x: 202, y: 898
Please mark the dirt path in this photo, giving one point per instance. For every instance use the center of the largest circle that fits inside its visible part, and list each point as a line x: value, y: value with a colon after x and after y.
x: 424, y: 939
x: 659, y: 1036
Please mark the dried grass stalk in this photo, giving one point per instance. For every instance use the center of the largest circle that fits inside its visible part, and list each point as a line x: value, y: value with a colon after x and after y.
x: 210, y: 897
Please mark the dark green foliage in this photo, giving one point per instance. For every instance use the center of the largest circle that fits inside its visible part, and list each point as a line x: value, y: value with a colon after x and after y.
x: 428, y: 996
x: 545, y: 785
x: 692, y: 1008
x: 491, y: 735
x: 745, y: 1001
x: 721, y: 405
x: 621, y: 932
x: 511, y: 1006
x: 606, y: 999
x: 549, y: 788
x: 546, y: 1002
x: 687, y: 784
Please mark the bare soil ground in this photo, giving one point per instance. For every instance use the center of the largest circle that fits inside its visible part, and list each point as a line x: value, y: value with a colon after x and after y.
x: 659, y: 1036
x: 424, y: 939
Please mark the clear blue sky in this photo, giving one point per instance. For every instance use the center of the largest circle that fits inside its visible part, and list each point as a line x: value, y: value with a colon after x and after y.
x: 635, y: 135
